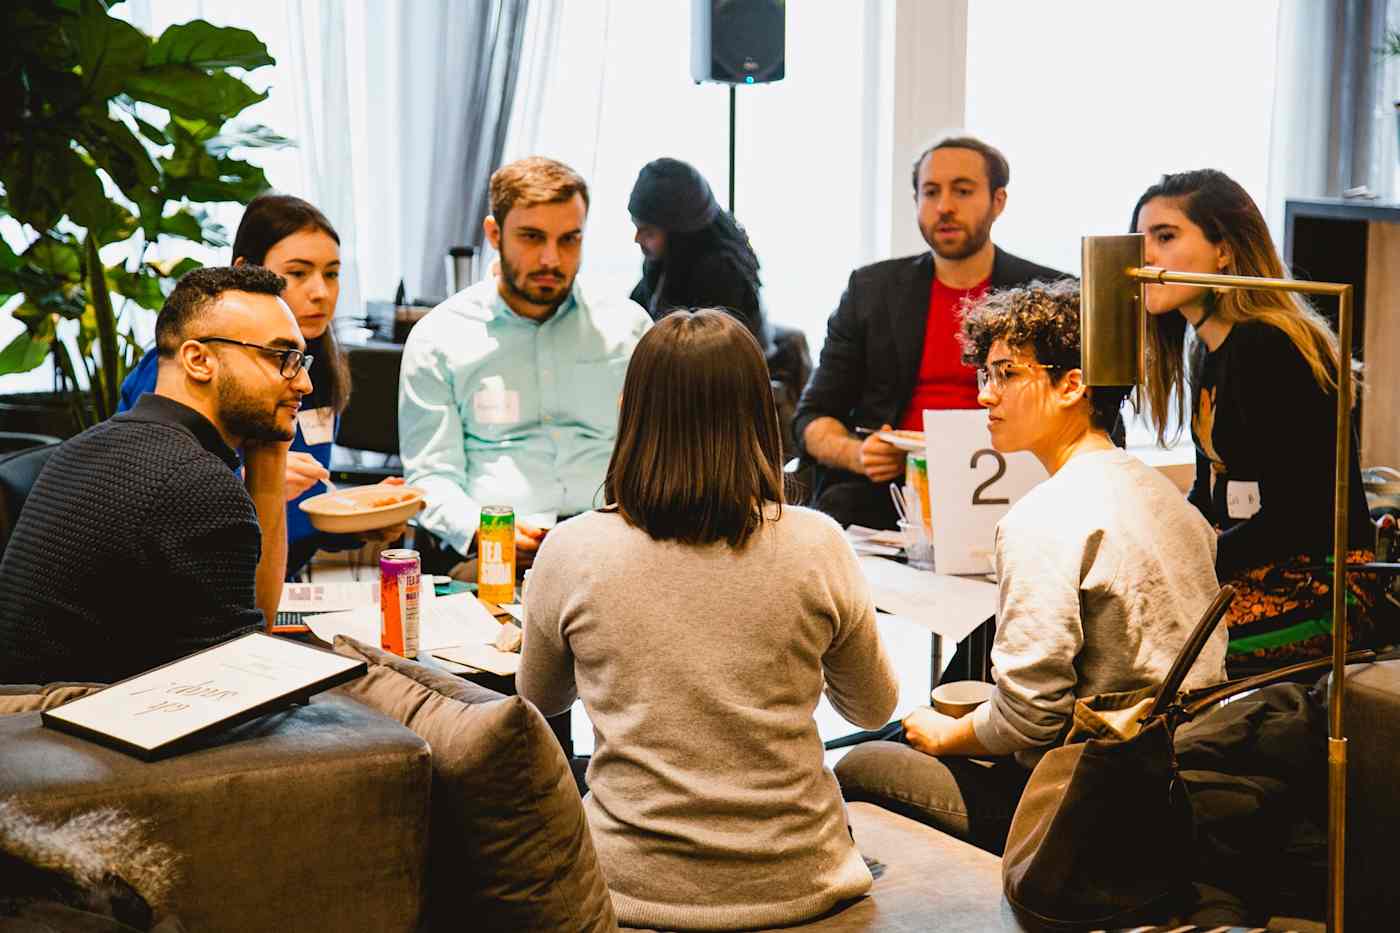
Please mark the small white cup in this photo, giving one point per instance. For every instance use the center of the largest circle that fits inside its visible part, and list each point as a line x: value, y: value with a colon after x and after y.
x: 960, y: 697
x: 918, y: 545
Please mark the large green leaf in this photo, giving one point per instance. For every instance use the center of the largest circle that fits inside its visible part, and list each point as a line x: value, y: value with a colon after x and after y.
x: 29, y: 348
x: 195, y: 226
x: 202, y: 45
x: 115, y: 225
x: 62, y: 258
x: 117, y: 150
x: 109, y: 50
x: 46, y: 179
x: 141, y: 286
x: 190, y: 92
x: 255, y: 136
x: 174, y: 268
x: 201, y: 177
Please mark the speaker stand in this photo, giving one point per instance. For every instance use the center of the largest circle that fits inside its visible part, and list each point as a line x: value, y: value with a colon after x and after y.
x: 731, y: 150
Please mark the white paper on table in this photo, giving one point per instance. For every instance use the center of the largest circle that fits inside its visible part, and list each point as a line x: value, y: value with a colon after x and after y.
x: 946, y: 605
x: 328, y: 597
x: 363, y: 624
x: 481, y: 657
x: 516, y: 611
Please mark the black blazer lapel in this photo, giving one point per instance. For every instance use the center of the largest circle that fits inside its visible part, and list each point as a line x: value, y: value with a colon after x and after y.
x: 909, y: 322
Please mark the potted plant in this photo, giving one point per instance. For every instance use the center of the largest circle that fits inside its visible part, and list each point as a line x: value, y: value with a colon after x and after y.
x: 109, y: 140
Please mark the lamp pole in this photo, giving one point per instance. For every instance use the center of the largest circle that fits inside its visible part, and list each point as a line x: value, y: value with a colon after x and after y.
x: 1107, y: 333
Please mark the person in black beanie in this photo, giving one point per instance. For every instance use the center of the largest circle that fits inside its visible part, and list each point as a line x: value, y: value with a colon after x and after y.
x: 695, y: 255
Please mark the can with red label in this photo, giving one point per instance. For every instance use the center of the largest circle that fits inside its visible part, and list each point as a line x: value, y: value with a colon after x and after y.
x: 399, y: 574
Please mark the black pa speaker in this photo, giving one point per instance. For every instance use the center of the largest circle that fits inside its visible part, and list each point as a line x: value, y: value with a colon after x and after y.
x: 737, y: 41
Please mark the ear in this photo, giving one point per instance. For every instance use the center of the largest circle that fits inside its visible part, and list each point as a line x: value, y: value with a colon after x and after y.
x: 492, y: 231
x: 998, y: 202
x: 198, y: 362
x: 1223, y: 257
x: 239, y: 261
x: 1071, y: 388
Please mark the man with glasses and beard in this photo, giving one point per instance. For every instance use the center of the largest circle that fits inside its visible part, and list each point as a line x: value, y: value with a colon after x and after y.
x: 509, y: 390
x: 891, y: 349
x: 140, y: 543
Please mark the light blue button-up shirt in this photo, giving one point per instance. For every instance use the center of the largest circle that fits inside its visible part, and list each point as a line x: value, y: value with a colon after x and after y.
x: 498, y: 409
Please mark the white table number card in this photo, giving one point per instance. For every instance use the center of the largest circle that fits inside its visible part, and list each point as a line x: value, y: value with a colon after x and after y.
x: 151, y: 714
x: 971, y: 486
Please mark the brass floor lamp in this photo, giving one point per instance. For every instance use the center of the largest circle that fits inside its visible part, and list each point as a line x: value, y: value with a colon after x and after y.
x: 1113, y: 324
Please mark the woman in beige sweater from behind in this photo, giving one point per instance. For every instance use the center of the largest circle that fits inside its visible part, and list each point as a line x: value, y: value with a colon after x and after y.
x: 700, y: 619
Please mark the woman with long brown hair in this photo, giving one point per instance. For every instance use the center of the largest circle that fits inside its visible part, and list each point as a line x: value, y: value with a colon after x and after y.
x: 1260, y: 371
x: 700, y: 619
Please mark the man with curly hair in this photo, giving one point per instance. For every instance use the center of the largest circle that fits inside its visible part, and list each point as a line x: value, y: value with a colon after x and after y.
x: 891, y: 347
x: 1103, y: 571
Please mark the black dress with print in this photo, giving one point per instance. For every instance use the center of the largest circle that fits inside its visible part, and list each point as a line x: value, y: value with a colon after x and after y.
x: 1258, y: 416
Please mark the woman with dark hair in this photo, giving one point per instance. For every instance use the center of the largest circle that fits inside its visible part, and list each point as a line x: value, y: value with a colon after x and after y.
x: 700, y: 619
x: 695, y: 255
x: 293, y: 238
x: 1260, y: 370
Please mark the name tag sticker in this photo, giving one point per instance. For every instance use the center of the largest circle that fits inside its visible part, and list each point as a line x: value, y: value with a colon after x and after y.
x: 495, y: 404
x: 317, y: 425
x: 1241, y: 499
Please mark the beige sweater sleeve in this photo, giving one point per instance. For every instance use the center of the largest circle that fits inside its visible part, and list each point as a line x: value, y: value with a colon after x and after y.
x: 860, y: 681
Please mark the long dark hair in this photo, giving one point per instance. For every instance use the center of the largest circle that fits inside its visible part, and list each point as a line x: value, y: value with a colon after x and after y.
x: 699, y: 453
x: 268, y: 220
x: 1226, y: 214
x: 722, y: 235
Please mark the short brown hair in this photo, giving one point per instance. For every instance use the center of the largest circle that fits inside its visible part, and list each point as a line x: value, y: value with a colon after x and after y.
x: 1044, y: 319
x: 532, y: 181
x: 998, y: 169
x: 699, y: 452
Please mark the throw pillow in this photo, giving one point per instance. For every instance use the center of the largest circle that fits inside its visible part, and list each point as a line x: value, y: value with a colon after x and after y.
x: 510, y: 847
x: 27, y: 698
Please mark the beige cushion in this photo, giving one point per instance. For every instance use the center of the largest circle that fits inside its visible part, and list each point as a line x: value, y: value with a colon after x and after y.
x: 509, y: 845
x: 924, y: 880
x: 28, y: 698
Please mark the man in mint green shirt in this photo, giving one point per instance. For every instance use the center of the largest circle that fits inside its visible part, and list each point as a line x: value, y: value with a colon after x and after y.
x: 509, y: 390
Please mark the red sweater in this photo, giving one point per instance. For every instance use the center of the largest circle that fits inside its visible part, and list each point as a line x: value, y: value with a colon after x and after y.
x: 944, y: 381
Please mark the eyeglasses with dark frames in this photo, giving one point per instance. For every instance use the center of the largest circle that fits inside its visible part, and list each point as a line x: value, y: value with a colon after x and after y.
x: 293, y: 361
x: 996, y: 376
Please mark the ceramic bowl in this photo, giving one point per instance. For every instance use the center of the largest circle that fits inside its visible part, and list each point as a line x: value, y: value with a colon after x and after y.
x: 356, y: 509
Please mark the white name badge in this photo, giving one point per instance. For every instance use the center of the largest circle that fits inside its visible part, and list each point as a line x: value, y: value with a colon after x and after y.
x: 493, y: 403
x: 971, y: 486
x: 1241, y: 499
x: 317, y: 425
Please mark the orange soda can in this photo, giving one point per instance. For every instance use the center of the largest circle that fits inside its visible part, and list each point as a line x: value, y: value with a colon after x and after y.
x: 495, y: 558
x: 399, y: 581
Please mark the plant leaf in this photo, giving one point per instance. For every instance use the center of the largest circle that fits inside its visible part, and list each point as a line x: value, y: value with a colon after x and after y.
x: 45, y: 179
x: 116, y: 149
x: 60, y: 257
x: 152, y: 132
x: 141, y: 286
x: 174, y: 268
x: 254, y: 136
x: 28, y: 350
x: 202, y: 45
x: 109, y: 50
x: 190, y: 92
x: 202, y: 177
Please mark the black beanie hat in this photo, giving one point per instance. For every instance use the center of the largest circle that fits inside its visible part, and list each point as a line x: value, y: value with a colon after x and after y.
x: 672, y: 195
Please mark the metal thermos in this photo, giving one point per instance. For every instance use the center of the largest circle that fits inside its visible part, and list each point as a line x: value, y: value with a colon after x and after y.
x: 461, y: 268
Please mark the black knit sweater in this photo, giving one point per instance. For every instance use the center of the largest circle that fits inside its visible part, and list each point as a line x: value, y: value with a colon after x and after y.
x: 138, y: 545
x: 1259, y: 416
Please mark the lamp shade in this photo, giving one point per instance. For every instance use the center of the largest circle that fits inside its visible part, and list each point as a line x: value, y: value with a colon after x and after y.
x: 1112, y: 316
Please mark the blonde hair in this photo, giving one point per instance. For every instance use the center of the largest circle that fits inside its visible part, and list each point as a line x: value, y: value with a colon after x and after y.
x: 1227, y: 215
x: 532, y: 181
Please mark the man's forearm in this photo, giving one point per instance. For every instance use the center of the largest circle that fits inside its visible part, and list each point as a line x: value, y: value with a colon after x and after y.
x: 830, y: 444
x: 265, y: 476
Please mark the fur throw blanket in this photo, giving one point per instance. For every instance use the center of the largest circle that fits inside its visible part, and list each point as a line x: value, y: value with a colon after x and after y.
x: 98, y: 864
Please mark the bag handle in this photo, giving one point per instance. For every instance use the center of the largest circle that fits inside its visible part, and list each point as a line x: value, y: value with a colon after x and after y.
x: 1191, y: 650
x: 1197, y: 701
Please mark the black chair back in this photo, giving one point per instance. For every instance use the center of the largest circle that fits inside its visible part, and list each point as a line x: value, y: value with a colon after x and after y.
x: 18, y: 473
x: 12, y: 441
x: 371, y: 420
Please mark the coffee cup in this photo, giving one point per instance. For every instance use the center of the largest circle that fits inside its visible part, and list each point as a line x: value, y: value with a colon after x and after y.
x: 960, y: 697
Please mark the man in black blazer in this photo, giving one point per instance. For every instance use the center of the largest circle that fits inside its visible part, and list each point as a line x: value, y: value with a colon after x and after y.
x: 891, y: 348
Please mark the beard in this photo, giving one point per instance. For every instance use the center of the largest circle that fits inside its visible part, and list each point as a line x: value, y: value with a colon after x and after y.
x: 975, y: 239
x: 551, y: 296
x: 246, y: 416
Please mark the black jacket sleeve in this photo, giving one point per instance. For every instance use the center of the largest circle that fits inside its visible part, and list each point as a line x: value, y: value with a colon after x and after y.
x: 836, y: 385
x: 716, y: 282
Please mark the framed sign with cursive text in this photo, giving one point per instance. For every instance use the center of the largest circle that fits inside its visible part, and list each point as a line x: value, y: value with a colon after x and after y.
x: 157, y: 713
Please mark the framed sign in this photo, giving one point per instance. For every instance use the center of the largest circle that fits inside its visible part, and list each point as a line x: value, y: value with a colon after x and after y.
x: 154, y: 714
x: 971, y: 485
